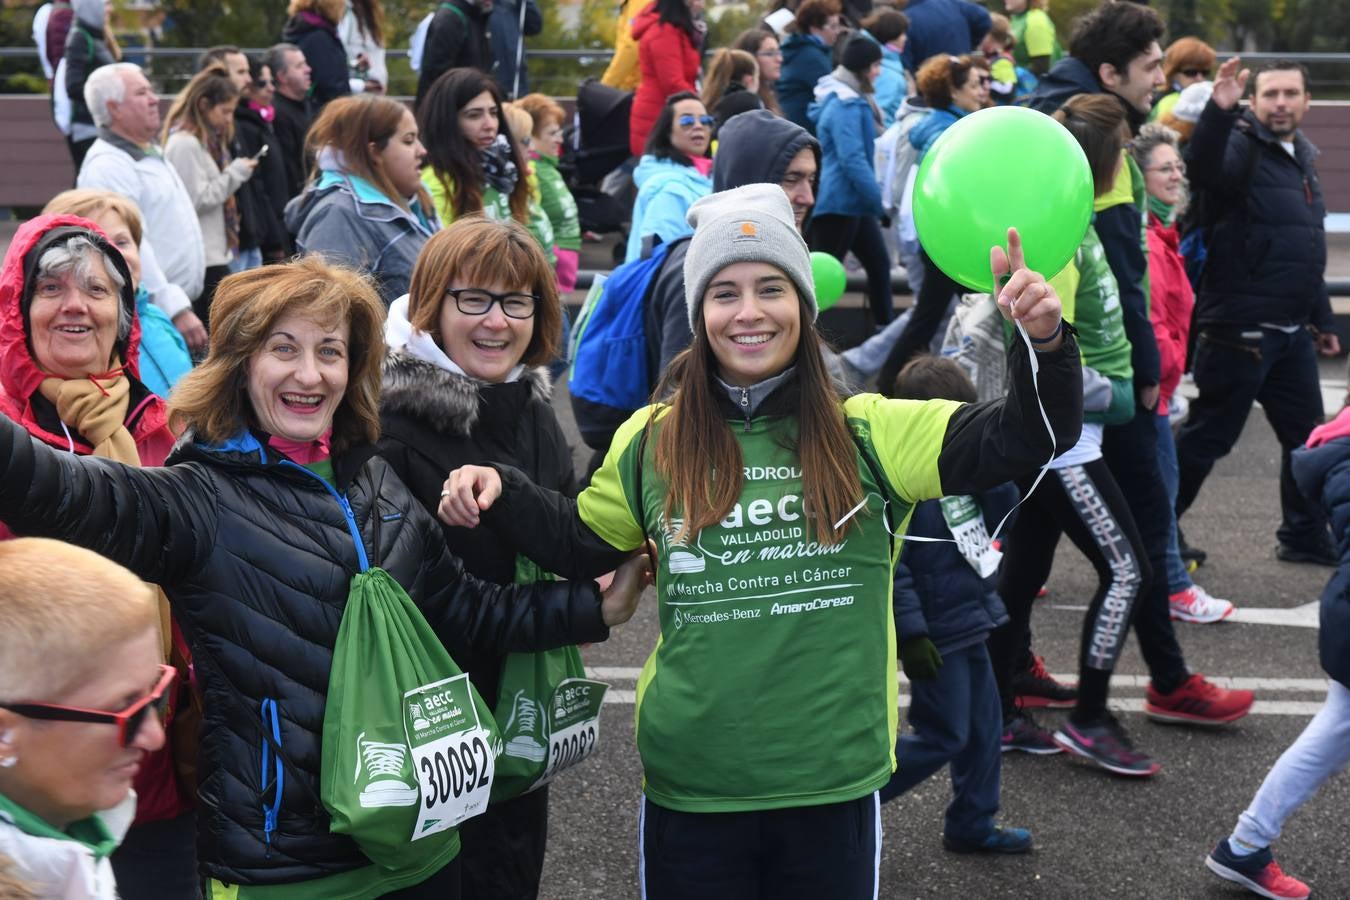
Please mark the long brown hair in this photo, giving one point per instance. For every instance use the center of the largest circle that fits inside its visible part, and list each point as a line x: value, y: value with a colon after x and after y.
x: 213, y: 400
x: 726, y: 66
x: 351, y: 125
x: 750, y: 41
x: 208, y: 88
x: 701, y: 461
x: 479, y: 251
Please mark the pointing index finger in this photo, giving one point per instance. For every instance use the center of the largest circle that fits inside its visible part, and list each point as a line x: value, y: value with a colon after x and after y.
x: 1016, y: 259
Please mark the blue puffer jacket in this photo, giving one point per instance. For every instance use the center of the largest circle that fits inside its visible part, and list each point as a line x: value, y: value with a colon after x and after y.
x: 805, y: 61
x: 666, y: 190
x: 1323, y: 474
x: 847, y: 133
x: 925, y: 132
x: 938, y: 594
x: 890, y: 88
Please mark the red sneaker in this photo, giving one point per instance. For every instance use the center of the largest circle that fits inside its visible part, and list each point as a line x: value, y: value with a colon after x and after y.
x: 1036, y: 689
x: 1198, y: 702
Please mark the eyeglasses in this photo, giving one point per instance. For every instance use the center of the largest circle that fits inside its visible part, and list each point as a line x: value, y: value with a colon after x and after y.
x: 1195, y: 73
x: 1178, y: 168
x: 128, y: 721
x: 771, y: 54
x: 264, y: 83
x: 476, y: 302
x: 983, y: 80
x: 687, y: 121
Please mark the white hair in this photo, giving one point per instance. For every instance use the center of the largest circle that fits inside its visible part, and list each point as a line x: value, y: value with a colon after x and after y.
x: 103, y: 86
x: 79, y: 255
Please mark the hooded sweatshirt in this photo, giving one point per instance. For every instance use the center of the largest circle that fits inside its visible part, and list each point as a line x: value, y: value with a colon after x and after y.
x: 846, y: 123
x: 666, y: 190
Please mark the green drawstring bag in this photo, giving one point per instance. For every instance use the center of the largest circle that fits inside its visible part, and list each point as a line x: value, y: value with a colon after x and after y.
x: 409, y: 748
x: 548, y: 711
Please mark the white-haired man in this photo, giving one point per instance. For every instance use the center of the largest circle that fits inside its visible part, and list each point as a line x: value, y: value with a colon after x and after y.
x: 126, y: 159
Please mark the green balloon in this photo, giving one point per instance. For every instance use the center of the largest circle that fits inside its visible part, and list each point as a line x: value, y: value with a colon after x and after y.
x: 1000, y: 168
x: 830, y: 278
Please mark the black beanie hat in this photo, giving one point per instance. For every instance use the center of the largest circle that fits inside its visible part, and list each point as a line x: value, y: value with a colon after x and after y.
x: 859, y: 53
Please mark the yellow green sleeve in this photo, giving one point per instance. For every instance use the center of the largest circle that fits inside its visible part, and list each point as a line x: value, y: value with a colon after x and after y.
x: 440, y: 197
x: 1039, y: 37
x: 611, y: 506
x: 907, y: 438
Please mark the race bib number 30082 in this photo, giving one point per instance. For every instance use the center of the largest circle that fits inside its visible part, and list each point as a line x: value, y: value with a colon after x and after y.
x: 574, y: 725
x: 451, y: 754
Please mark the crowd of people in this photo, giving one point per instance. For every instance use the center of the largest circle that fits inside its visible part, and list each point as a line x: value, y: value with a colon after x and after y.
x: 296, y: 336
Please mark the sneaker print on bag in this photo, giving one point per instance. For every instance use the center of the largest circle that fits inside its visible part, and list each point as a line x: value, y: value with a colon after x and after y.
x: 523, y: 732
x: 385, y: 767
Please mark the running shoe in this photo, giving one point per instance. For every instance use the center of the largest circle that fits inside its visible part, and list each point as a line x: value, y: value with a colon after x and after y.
x: 1192, y: 556
x: 1195, y: 604
x: 1035, y: 689
x: 1106, y: 745
x: 1023, y: 734
x: 1258, y: 872
x: 1197, y: 702
x: 1000, y: 840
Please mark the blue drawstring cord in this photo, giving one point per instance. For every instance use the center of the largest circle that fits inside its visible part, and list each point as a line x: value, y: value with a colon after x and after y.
x: 270, y: 717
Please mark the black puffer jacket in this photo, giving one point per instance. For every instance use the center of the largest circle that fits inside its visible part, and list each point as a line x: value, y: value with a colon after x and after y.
x: 433, y: 421
x: 256, y: 556
x: 262, y: 198
x: 1268, y: 250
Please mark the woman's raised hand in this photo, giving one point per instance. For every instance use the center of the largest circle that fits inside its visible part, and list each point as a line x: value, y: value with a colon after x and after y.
x: 619, y: 600
x: 467, y: 493
x: 1026, y: 298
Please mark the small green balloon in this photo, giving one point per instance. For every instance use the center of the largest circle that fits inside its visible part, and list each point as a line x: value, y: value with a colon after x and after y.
x: 1000, y: 168
x: 830, y: 279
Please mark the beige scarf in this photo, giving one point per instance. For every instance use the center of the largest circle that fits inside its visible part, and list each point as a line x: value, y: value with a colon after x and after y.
x: 96, y: 406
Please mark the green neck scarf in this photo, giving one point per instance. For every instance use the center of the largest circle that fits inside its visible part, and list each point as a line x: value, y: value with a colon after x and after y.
x: 91, y: 831
x: 1164, y: 211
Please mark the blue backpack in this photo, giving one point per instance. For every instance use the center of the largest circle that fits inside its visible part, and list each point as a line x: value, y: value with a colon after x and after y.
x: 609, y: 343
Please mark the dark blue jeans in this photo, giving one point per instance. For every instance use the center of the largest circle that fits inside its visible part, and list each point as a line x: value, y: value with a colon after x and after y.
x: 1234, y: 367
x: 1131, y: 453
x: 956, y: 719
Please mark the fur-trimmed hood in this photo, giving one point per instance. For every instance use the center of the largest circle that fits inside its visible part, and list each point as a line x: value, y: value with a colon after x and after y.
x: 448, y: 402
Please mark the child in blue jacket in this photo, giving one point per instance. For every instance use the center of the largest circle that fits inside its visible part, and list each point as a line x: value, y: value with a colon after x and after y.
x: 945, y: 607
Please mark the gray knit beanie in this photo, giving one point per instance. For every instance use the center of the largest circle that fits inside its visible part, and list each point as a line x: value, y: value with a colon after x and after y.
x: 752, y: 223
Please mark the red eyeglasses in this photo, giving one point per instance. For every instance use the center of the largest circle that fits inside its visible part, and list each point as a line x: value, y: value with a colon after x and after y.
x: 128, y: 721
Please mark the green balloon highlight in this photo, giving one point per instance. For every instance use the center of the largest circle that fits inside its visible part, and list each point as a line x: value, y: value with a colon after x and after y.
x: 830, y: 279
x: 1001, y: 168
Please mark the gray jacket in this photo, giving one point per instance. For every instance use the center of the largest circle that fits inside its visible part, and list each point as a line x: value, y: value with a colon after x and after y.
x: 349, y: 221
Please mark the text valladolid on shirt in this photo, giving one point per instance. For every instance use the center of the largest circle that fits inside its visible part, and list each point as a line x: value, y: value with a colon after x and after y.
x: 773, y: 683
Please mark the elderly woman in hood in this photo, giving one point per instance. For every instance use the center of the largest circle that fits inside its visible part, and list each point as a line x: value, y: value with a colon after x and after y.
x: 69, y: 340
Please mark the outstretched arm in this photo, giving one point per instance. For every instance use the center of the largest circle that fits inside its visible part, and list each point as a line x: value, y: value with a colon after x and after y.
x: 160, y: 522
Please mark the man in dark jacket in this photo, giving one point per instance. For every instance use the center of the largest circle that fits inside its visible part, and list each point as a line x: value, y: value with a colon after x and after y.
x: 294, y: 110
x: 508, y: 43
x: 1262, y: 314
x: 1115, y: 51
x: 456, y: 38
x: 942, y: 26
x: 754, y: 147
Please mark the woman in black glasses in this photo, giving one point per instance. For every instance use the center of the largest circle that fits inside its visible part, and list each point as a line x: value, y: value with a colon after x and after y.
x: 466, y: 383
x: 82, y: 686
x: 1187, y: 61
x: 675, y: 170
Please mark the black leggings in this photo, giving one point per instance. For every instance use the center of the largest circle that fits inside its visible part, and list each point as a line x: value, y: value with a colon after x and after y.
x: 837, y: 235
x: 1085, y: 503
x: 930, y: 306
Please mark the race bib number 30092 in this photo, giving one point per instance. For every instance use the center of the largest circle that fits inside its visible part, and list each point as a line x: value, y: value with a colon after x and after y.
x: 451, y: 754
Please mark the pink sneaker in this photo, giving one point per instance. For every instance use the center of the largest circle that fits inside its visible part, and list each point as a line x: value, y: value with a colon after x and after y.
x: 1196, y: 605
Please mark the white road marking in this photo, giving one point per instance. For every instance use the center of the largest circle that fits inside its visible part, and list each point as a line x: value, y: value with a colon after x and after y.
x: 1304, y: 616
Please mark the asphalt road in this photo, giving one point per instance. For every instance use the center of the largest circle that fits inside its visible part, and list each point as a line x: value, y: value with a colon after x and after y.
x: 1096, y: 835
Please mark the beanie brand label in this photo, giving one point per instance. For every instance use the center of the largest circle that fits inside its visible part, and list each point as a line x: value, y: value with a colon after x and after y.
x: 747, y: 231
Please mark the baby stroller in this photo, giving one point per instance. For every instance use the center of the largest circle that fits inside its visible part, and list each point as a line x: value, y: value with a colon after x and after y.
x: 594, y: 149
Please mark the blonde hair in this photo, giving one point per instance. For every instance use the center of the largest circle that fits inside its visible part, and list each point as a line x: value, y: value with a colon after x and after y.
x: 61, y: 604
x: 87, y: 202
x: 477, y: 251
x: 542, y: 108
x: 332, y: 10
x: 212, y: 399
x: 519, y: 121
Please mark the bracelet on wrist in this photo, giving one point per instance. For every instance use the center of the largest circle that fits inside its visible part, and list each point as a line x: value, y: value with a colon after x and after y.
x: 1054, y: 334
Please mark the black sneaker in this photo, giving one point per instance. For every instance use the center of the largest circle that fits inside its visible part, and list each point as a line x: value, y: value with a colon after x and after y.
x: 1322, y: 553
x: 1022, y: 733
x: 1106, y: 745
x: 1035, y: 689
x: 1192, y: 556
